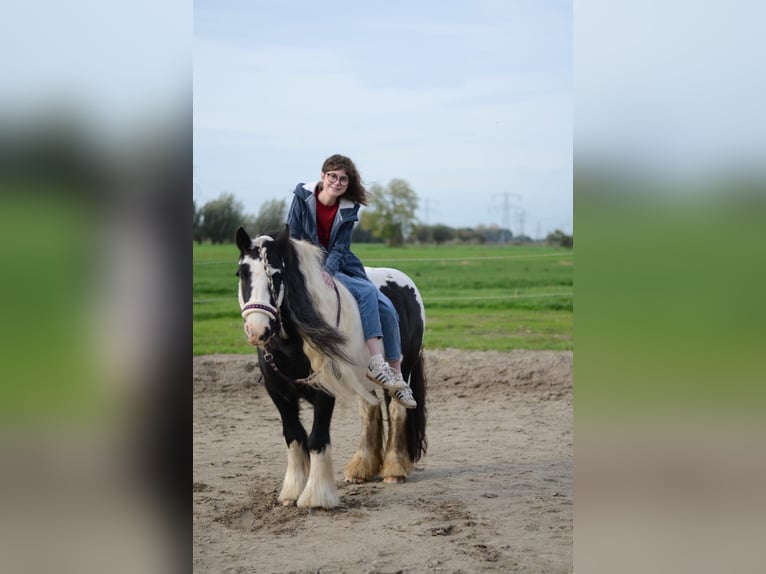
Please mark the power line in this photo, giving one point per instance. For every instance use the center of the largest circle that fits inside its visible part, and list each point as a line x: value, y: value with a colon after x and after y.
x: 427, y: 202
x: 505, y: 223
x: 521, y: 215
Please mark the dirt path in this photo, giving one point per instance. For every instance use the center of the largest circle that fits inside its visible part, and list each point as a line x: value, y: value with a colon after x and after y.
x: 493, y: 493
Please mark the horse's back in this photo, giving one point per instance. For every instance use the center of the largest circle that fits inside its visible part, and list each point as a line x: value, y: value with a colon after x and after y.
x: 399, y: 287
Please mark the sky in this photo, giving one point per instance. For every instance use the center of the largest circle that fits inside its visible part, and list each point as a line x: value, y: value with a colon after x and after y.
x: 469, y: 102
x: 671, y: 88
x: 104, y: 66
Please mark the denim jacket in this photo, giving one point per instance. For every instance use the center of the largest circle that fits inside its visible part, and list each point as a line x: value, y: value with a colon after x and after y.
x: 302, y: 219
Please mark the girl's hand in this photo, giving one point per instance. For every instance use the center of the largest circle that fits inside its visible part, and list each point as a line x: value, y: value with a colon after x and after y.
x: 328, y: 280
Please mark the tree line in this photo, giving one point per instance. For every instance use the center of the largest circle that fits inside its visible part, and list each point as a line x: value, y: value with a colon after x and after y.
x: 389, y: 217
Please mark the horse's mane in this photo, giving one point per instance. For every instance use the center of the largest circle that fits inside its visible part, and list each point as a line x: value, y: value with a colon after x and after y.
x: 313, y: 307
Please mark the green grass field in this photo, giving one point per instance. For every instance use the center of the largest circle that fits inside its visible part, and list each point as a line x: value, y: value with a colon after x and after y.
x: 476, y: 297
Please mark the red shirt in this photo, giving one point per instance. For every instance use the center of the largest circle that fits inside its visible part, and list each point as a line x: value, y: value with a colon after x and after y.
x: 325, y: 217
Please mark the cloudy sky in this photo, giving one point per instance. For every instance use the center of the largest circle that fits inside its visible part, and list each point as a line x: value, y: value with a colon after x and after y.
x: 470, y: 102
x: 671, y: 88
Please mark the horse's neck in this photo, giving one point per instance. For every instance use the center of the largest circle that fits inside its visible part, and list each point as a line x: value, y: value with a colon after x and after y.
x: 288, y: 340
x: 311, y: 269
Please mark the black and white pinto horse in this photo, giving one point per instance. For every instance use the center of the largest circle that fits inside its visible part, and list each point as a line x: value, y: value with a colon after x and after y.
x: 311, y: 346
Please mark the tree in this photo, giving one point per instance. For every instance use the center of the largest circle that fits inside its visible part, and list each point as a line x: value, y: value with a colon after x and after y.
x: 468, y: 235
x: 442, y: 233
x: 197, y: 232
x: 522, y: 239
x: 392, y: 212
x: 362, y: 234
x: 558, y: 237
x: 494, y: 234
x: 422, y: 233
x: 270, y: 220
x: 221, y: 217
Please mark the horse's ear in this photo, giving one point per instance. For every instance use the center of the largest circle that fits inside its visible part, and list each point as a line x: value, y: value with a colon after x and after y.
x: 282, y: 239
x: 244, y: 242
x: 282, y: 242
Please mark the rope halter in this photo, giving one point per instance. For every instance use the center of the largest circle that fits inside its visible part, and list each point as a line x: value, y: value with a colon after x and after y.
x: 272, y: 312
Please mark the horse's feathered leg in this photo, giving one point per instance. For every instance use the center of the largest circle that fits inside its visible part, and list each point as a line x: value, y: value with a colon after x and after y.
x: 397, y: 463
x: 296, y: 475
x: 286, y: 401
x: 366, y: 462
x: 320, y: 490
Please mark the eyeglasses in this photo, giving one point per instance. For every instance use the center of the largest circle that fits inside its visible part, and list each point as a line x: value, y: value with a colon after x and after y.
x: 333, y: 177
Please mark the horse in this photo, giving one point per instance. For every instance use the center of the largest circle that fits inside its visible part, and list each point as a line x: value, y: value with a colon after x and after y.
x: 311, y: 346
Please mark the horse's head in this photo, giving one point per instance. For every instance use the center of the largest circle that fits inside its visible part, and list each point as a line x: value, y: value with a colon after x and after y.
x: 261, y: 284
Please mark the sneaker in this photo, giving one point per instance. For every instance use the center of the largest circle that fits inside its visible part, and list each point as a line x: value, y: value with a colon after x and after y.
x: 381, y: 374
x: 404, y: 397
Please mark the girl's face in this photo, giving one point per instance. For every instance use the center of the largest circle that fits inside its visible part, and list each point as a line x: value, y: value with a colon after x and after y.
x: 335, y: 182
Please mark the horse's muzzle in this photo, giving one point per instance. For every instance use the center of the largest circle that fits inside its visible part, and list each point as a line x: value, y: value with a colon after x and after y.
x: 258, y: 336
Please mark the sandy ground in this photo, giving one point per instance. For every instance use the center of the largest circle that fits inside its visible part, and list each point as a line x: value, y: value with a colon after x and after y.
x: 493, y: 493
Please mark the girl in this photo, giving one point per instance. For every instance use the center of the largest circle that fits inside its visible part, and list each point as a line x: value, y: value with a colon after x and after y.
x: 324, y: 213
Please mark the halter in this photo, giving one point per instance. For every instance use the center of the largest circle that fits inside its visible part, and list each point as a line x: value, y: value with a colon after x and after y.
x: 265, y: 308
x: 255, y: 307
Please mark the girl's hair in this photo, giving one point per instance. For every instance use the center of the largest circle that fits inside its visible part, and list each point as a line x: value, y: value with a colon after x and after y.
x: 355, y: 191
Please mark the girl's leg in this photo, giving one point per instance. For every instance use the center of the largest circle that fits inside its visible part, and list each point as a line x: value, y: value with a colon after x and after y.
x: 366, y: 295
x: 392, y: 340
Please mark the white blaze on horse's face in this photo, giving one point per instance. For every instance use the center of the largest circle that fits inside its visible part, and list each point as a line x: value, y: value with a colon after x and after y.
x: 257, y: 297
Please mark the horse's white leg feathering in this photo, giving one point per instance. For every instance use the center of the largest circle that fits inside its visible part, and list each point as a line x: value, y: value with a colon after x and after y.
x: 397, y: 464
x: 296, y: 475
x: 320, y: 491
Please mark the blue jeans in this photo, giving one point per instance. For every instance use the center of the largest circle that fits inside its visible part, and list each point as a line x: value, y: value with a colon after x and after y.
x: 379, y: 317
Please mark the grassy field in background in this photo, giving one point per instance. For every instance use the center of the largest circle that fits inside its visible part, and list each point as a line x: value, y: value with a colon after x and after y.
x: 476, y: 297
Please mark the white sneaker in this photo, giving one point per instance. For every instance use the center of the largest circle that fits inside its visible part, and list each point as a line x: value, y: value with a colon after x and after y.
x: 404, y: 397
x: 381, y: 374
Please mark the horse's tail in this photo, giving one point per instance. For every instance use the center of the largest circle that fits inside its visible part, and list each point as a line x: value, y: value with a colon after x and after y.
x: 417, y: 443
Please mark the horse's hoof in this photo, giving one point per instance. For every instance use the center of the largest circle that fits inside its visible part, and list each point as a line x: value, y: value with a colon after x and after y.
x: 288, y: 502
x: 394, y: 479
x: 354, y: 480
